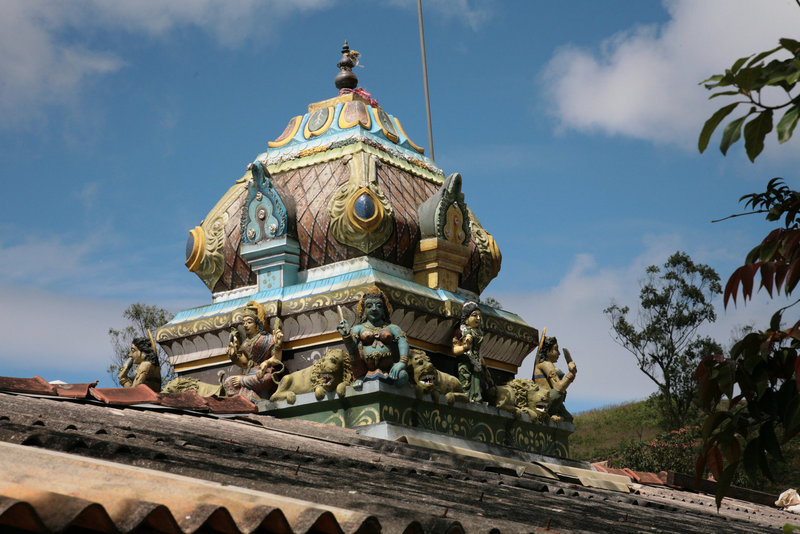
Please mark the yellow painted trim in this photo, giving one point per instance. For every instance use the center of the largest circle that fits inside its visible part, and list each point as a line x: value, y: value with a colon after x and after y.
x: 502, y: 365
x: 275, y: 144
x: 410, y: 142
x: 315, y: 157
x: 302, y: 343
x: 345, y: 124
x: 308, y: 134
x: 198, y: 248
x: 205, y: 362
x: 334, y: 101
x: 389, y: 135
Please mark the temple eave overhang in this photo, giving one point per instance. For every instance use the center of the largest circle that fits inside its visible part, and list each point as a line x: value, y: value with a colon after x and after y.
x: 309, y: 310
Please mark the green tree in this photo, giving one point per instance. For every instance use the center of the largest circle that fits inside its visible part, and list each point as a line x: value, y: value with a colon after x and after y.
x: 754, y: 395
x: 675, y: 300
x: 142, y: 317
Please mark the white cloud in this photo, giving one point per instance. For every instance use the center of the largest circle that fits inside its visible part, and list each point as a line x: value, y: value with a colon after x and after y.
x: 573, y: 312
x: 45, y: 61
x: 642, y: 82
x: 54, y: 336
x: 473, y: 14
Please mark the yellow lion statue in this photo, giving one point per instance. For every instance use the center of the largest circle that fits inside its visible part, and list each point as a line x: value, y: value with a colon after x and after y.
x: 522, y: 396
x: 428, y: 379
x: 330, y: 373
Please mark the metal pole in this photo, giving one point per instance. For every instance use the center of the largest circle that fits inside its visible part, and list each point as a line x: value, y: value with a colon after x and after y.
x: 425, y: 76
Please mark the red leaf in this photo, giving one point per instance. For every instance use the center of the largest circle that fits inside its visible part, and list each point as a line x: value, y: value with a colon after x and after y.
x: 792, y: 276
x: 790, y: 241
x: 714, y: 457
x: 699, y: 468
x: 748, y: 273
x: 732, y: 287
x: 767, y: 276
x: 781, y: 268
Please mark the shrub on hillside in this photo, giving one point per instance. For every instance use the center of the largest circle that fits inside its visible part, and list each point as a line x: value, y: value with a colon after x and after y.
x: 675, y: 450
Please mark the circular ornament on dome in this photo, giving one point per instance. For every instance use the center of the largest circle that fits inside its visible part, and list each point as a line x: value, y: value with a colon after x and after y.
x: 364, y: 210
x: 288, y: 133
x: 318, y: 122
x: 364, y: 207
x: 386, y: 124
x: 352, y: 113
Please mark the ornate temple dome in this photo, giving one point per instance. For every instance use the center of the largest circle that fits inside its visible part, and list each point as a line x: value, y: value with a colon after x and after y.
x: 349, y: 182
x: 340, y: 201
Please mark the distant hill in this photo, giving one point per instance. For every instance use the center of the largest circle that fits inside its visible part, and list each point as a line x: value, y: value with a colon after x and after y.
x: 599, y: 433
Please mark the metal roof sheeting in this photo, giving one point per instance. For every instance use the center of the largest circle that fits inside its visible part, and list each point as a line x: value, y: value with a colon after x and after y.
x: 48, y: 491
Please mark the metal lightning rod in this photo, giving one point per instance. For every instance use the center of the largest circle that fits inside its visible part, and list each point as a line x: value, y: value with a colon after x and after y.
x: 425, y: 76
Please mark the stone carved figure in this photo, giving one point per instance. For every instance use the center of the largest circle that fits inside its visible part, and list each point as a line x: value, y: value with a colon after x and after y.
x: 182, y: 384
x: 259, y: 355
x: 379, y: 348
x: 428, y: 379
x: 330, y: 373
x: 521, y: 396
x: 551, y: 379
x: 148, y: 371
x: 472, y: 371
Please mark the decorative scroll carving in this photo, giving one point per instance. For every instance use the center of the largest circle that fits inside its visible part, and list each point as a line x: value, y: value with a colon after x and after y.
x: 361, y: 216
x: 264, y: 215
x: 488, y: 250
x: 445, y: 214
x: 205, y: 250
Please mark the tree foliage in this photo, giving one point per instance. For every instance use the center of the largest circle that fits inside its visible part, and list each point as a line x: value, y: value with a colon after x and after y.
x: 755, y: 82
x: 142, y: 317
x: 753, y: 396
x: 674, y: 302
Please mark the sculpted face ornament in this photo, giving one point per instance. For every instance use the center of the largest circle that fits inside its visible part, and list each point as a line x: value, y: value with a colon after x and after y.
x: 474, y: 319
x: 262, y: 214
x: 251, y: 233
x: 374, y: 311
x: 135, y: 354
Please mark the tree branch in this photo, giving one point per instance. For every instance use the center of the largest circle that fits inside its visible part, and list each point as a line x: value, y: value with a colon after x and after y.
x: 740, y: 214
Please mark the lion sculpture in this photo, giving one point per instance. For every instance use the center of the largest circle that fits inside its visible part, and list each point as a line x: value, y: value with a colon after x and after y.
x: 428, y: 379
x: 522, y: 396
x: 330, y: 373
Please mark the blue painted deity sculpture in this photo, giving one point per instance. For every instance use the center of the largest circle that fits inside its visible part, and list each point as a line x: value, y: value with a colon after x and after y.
x: 379, y: 349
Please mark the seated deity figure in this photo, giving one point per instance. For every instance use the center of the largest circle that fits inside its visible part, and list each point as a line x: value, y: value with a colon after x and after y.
x: 148, y: 371
x: 547, y: 376
x: 379, y: 349
x: 259, y: 355
x: 472, y: 371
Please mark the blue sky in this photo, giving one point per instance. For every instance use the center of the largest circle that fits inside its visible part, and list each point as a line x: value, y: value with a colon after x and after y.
x: 574, y: 126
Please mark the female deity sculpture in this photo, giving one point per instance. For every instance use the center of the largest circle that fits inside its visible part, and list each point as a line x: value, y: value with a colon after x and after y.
x: 548, y: 377
x: 259, y: 355
x: 472, y: 371
x: 148, y: 371
x: 379, y: 349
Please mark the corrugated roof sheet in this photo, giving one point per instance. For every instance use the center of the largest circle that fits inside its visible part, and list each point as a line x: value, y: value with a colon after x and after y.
x: 64, y: 490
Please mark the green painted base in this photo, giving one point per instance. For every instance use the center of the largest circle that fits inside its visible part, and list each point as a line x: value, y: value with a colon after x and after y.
x: 378, y: 402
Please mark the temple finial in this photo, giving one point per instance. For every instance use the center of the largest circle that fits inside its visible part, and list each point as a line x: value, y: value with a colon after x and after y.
x: 346, y: 79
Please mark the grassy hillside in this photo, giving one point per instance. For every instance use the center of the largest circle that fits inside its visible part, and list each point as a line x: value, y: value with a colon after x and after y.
x: 599, y: 433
